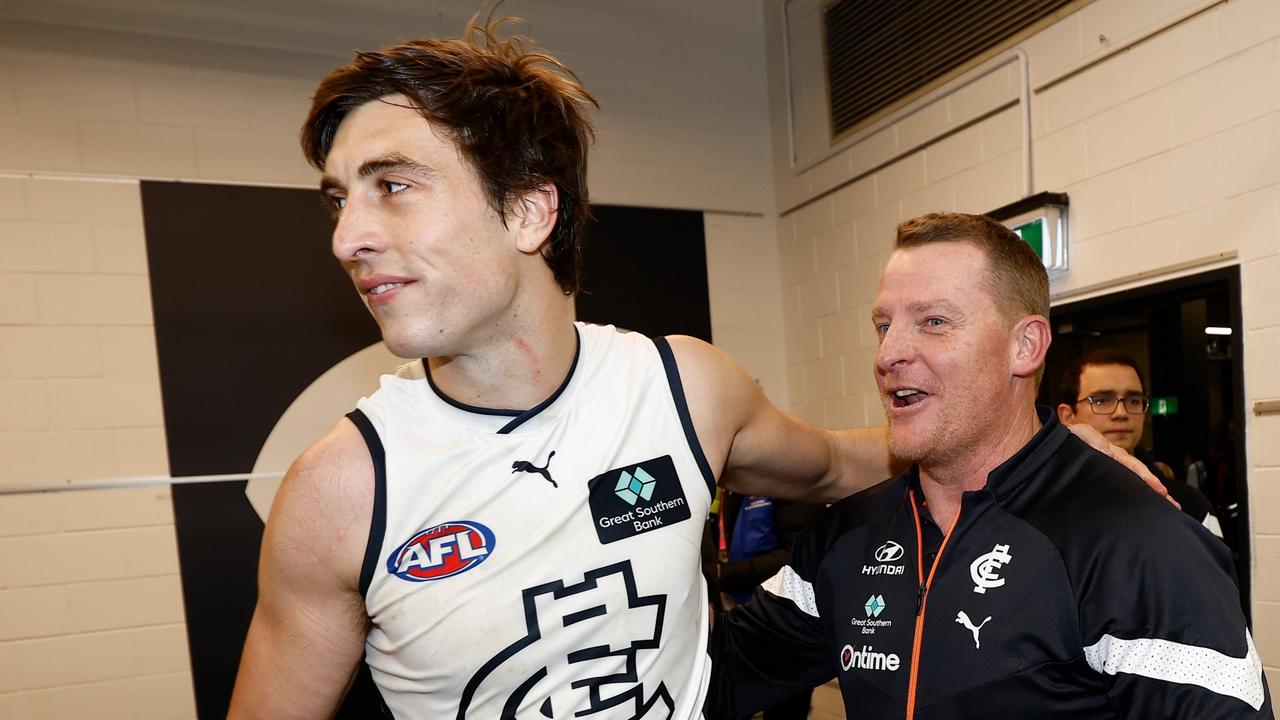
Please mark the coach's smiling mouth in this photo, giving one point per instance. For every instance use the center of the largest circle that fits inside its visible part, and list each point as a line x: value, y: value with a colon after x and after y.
x: 906, y: 397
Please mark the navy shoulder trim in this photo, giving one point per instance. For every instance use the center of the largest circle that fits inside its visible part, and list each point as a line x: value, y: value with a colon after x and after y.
x: 682, y: 408
x: 378, y: 524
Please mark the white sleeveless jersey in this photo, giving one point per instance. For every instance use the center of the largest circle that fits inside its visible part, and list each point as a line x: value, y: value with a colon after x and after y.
x: 540, y: 564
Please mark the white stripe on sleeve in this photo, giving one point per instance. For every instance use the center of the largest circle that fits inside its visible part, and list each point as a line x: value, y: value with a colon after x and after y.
x: 1211, y: 522
x: 787, y: 584
x: 1174, y: 662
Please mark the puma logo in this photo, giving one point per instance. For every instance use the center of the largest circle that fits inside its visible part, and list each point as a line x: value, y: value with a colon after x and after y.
x: 528, y: 467
x: 964, y: 620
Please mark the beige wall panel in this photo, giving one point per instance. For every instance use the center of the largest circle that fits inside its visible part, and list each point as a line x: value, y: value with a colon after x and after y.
x: 134, y: 149
x: 84, y: 201
x: 28, y: 514
x: 43, y: 246
x: 46, y: 352
x: 119, y: 249
x: 49, y: 456
x: 17, y: 299
x: 24, y: 405
x: 36, y: 143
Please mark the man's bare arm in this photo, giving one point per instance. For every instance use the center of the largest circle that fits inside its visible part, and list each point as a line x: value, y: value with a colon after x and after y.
x: 757, y: 449
x: 309, y: 626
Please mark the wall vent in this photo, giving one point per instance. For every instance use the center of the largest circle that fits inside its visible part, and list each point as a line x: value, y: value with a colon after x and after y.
x: 879, y: 51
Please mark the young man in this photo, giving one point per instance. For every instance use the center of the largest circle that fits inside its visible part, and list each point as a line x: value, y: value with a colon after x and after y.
x: 1012, y: 571
x: 1105, y: 390
x: 511, y: 526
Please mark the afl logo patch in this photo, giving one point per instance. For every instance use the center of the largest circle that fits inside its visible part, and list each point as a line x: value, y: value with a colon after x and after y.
x: 442, y: 551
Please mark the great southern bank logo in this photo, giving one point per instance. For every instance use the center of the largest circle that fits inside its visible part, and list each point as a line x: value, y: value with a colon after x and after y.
x: 874, y: 606
x: 633, y: 487
x: 637, y: 498
x: 442, y: 551
x: 871, y: 623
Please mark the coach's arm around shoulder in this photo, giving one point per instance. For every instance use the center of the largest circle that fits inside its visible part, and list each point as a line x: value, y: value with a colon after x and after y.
x: 309, y: 626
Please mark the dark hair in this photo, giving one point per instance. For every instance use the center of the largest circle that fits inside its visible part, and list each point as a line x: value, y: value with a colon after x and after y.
x: 1014, y: 274
x: 518, y: 116
x: 1069, y: 388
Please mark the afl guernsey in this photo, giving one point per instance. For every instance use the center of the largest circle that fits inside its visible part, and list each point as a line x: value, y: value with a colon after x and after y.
x: 540, y: 564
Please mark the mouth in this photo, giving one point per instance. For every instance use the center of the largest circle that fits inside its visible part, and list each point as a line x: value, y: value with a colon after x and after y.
x: 379, y: 289
x: 384, y: 287
x: 906, y: 397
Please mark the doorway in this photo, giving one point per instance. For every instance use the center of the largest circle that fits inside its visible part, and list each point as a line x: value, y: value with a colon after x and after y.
x: 1186, y: 336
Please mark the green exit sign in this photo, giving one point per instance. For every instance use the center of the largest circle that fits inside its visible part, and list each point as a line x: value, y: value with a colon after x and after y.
x: 1040, y: 220
x: 1033, y: 233
x: 1164, y: 406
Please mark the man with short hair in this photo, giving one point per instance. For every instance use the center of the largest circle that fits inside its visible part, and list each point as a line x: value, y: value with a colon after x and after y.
x: 1011, y: 571
x: 1105, y: 390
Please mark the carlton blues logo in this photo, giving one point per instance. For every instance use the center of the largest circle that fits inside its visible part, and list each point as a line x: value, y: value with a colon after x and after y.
x: 583, y: 655
x: 442, y: 551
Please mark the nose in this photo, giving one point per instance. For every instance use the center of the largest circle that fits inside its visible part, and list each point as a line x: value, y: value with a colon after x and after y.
x: 357, y: 233
x: 896, y: 349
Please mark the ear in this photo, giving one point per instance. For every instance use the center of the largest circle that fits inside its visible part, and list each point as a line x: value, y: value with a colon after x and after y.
x: 534, y: 216
x: 1066, y: 414
x: 1031, y: 340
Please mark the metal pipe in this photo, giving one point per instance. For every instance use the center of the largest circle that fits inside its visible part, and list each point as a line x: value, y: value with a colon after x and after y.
x: 138, y: 481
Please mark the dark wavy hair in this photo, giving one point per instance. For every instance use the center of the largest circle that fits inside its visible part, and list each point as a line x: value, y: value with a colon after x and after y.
x: 518, y: 115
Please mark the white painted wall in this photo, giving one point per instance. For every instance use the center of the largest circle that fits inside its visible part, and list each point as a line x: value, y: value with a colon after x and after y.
x: 90, y: 605
x: 1170, y: 152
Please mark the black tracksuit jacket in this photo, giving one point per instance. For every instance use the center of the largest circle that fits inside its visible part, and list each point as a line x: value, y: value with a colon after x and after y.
x: 1066, y: 589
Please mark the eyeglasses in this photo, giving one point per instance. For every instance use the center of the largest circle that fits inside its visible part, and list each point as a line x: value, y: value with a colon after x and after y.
x: 1106, y: 404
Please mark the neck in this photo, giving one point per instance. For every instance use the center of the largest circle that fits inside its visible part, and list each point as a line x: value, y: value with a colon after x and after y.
x: 945, y: 482
x: 518, y: 364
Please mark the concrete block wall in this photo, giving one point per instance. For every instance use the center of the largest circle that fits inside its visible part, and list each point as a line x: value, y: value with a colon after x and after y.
x: 91, y: 620
x: 1170, y: 152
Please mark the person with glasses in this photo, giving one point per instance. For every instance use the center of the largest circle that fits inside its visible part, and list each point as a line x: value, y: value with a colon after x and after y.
x: 1105, y: 390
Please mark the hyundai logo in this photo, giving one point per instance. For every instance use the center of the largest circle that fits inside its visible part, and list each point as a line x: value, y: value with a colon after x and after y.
x: 889, y: 552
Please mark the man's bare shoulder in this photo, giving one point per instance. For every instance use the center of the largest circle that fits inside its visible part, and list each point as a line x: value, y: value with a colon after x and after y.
x: 325, y: 503
x: 720, y: 394
x: 708, y: 373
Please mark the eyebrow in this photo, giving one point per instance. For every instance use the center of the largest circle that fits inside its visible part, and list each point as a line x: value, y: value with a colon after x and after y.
x: 392, y: 162
x: 939, y: 305
x: 922, y: 306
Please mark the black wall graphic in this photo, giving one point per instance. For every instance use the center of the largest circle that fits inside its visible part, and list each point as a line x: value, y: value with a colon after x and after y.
x: 250, y: 308
x: 646, y: 270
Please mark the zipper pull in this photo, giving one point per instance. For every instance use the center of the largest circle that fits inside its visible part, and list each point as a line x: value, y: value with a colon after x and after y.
x: 920, y: 599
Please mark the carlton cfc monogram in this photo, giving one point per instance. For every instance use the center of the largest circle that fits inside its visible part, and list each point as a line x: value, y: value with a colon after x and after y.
x: 985, y: 571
